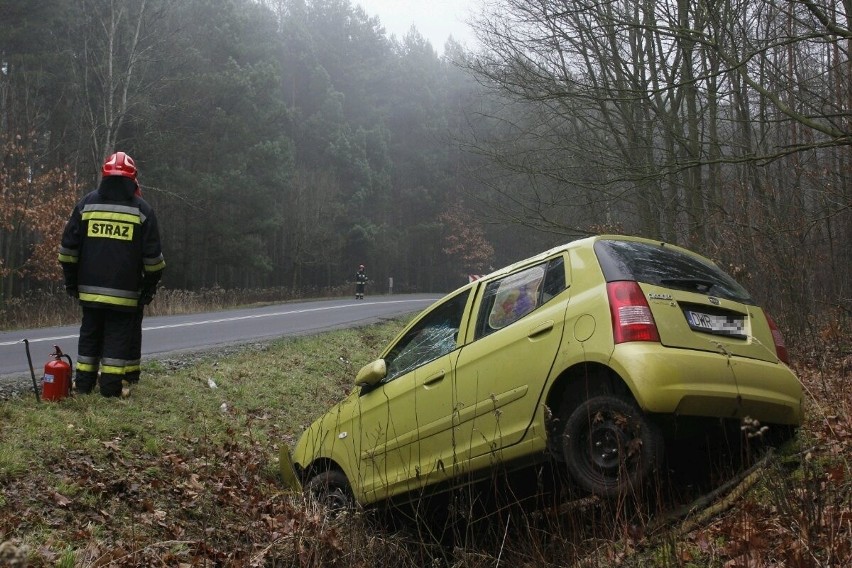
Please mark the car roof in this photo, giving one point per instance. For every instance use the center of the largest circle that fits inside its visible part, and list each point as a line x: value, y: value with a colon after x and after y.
x: 586, y: 242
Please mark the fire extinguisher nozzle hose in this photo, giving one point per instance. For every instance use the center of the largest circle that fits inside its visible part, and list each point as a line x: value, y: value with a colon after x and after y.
x: 32, y: 371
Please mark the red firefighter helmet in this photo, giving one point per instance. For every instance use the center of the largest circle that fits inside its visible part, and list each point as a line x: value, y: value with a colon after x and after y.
x: 119, y: 164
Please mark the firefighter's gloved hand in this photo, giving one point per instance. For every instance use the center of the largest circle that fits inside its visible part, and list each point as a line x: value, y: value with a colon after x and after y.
x: 71, y: 291
x: 146, y: 298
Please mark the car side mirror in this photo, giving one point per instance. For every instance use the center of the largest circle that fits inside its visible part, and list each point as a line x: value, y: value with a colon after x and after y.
x: 371, y: 373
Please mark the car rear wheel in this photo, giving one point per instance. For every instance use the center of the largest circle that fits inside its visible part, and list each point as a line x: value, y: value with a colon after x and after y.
x: 610, y: 447
x: 331, y: 490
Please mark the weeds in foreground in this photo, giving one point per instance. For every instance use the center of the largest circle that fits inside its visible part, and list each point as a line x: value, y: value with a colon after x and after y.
x: 182, y: 473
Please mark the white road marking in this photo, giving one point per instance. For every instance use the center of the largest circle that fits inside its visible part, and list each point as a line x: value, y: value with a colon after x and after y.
x: 223, y: 320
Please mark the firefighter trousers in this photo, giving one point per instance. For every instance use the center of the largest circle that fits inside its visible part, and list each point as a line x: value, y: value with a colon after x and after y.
x: 107, y: 344
x: 134, y: 364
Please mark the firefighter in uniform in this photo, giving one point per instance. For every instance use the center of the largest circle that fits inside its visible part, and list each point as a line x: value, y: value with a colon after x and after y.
x: 112, y: 261
x: 360, y: 282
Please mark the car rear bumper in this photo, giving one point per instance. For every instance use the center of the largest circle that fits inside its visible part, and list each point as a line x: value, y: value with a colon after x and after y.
x: 697, y: 383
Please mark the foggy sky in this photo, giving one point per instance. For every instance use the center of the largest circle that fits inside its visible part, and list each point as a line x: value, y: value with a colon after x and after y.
x: 435, y: 20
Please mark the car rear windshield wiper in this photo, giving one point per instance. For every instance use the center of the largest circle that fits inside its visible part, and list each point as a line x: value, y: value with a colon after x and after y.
x: 695, y: 284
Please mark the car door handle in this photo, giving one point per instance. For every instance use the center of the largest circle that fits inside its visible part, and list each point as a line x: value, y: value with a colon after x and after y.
x: 434, y: 379
x: 541, y: 329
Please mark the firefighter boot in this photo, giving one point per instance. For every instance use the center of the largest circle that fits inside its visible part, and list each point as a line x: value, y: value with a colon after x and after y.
x: 84, y: 383
x: 110, y: 385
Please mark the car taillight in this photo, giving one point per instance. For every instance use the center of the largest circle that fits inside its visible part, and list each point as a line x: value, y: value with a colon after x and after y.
x: 631, y: 316
x: 778, y: 338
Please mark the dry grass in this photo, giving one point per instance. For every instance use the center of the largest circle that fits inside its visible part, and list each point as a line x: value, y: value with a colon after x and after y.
x: 182, y: 474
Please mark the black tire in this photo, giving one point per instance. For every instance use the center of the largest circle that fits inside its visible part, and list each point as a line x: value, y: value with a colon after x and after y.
x: 331, y: 490
x: 610, y: 447
x: 780, y: 434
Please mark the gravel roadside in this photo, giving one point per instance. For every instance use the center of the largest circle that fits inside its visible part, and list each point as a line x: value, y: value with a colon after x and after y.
x: 16, y: 386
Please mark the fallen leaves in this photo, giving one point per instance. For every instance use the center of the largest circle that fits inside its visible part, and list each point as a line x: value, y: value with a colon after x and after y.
x: 199, y: 502
x: 59, y: 499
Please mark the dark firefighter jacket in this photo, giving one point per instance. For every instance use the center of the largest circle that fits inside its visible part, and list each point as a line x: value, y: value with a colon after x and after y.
x: 110, y: 251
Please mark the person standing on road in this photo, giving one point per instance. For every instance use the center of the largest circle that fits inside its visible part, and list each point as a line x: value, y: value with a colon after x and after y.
x: 360, y: 282
x: 112, y: 261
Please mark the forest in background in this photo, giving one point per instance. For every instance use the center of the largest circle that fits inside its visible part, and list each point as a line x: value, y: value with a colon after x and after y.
x: 284, y: 142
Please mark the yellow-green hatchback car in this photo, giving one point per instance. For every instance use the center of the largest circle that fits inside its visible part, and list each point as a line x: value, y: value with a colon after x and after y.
x: 580, y: 355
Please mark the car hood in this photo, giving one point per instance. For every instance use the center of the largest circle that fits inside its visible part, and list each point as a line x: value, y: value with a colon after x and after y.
x: 319, y: 440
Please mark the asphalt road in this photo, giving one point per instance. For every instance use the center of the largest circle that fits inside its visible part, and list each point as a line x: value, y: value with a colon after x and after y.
x: 170, y: 334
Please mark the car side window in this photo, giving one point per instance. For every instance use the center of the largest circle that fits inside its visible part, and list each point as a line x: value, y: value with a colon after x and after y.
x: 434, y: 336
x: 509, y: 299
x: 554, y: 280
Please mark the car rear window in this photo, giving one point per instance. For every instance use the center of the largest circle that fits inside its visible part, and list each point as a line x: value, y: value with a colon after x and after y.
x: 662, y: 265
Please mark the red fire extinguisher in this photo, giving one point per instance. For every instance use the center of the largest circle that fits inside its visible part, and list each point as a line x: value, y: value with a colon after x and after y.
x: 56, y: 383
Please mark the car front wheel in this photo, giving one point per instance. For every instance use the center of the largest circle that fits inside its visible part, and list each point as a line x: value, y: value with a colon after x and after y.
x: 610, y: 447
x: 331, y: 490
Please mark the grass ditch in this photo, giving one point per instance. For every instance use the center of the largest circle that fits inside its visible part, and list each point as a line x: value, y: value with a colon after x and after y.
x: 184, y: 473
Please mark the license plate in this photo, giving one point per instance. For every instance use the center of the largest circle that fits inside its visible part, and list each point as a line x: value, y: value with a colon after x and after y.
x: 714, y: 323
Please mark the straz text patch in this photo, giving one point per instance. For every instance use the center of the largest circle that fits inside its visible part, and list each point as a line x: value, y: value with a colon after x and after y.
x: 111, y: 230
